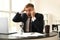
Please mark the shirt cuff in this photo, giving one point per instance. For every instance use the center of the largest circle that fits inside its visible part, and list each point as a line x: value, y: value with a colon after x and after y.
x: 33, y: 19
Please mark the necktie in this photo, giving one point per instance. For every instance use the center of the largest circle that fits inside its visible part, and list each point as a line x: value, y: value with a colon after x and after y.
x: 28, y: 27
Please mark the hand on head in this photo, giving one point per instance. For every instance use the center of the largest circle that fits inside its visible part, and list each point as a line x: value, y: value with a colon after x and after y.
x: 29, y: 11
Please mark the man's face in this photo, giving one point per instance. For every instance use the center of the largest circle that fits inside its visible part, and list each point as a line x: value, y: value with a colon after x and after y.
x: 28, y: 10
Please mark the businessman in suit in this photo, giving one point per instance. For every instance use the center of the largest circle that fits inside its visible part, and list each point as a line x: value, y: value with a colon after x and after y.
x: 33, y: 22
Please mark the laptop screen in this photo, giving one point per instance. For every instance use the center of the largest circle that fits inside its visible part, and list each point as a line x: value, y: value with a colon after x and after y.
x: 3, y: 25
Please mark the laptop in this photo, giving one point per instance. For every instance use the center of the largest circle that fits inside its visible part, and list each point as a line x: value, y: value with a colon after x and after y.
x: 4, y: 26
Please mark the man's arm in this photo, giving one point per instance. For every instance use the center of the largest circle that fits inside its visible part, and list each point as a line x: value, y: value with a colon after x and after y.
x: 39, y: 22
x: 17, y: 17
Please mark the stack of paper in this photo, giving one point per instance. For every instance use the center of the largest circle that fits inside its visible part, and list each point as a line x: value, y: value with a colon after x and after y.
x: 27, y: 35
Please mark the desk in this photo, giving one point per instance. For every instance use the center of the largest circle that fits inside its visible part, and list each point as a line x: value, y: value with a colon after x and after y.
x: 50, y: 36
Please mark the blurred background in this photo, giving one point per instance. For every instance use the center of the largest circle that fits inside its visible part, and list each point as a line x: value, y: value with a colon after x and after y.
x: 49, y: 8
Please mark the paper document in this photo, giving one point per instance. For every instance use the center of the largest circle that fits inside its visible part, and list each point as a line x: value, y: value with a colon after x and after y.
x: 32, y: 34
x: 27, y: 35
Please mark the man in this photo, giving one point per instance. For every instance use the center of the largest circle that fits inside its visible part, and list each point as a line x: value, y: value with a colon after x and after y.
x: 36, y: 19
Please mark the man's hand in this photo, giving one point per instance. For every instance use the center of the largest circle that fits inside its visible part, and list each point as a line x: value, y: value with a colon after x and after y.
x: 23, y: 10
x: 32, y: 13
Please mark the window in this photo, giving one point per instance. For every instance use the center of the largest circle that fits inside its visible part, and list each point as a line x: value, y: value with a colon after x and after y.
x: 8, y: 8
x: 4, y: 5
x: 18, y: 5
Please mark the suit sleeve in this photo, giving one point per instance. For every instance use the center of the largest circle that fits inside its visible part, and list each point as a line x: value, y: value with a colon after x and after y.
x: 17, y: 17
x: 39, y: 23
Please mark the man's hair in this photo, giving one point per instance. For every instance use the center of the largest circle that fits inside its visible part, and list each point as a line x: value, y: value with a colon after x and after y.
x: 29, y: 5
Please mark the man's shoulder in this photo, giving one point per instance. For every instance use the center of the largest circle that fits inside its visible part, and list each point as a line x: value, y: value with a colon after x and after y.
x: 39, y: 14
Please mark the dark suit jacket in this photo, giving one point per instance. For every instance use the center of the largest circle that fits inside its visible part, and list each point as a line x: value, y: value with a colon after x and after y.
x: 36, y: 26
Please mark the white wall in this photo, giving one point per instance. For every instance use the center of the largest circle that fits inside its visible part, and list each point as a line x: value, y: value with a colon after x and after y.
x: 50, y: 7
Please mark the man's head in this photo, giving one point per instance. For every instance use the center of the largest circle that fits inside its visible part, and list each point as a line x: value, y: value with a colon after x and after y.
x: 28, y: 8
